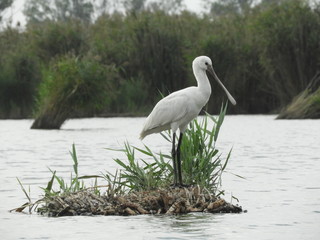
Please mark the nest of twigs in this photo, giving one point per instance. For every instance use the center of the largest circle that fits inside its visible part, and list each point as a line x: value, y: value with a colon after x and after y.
x: 161, y: 201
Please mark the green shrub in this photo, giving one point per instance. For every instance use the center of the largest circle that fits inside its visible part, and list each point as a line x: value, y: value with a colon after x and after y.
x: 287, y: 37
x: 19, y: 75
x: 51, y: 39
x: 73, y: 86
x: 130, y: 97
x: 158, y: 52
x: 264, y: 55
x: 110, y: 39
x: 147, y: 52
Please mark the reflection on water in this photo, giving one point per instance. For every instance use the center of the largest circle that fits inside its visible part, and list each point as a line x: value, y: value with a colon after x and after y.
x: 280, y: 161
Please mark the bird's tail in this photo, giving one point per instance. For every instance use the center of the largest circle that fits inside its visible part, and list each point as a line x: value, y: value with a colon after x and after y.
x: 143, y: 134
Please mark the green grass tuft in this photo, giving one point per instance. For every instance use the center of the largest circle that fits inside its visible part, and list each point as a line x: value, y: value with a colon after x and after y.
x: 201, y: 161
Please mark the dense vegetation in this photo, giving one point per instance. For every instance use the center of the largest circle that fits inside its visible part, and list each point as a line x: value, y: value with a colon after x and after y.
x: 306, y: 104
x: 265, y: 54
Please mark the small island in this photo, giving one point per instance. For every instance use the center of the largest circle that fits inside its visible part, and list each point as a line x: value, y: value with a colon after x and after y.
x: 160, y: 201
x: 145, y: 186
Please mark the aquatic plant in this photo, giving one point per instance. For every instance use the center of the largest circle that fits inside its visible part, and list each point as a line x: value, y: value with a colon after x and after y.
x: 201, y: 163
x: 145, y: 176
x: 75, y: 184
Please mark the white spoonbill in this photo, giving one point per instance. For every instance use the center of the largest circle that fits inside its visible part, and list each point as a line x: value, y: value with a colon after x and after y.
x: 179, y: 108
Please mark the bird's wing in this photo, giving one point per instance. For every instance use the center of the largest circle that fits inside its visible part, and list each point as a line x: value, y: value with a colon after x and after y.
x: 168, y: 110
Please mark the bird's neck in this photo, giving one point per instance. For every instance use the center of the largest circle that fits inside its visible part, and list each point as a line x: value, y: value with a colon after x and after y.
x: 203, y: 81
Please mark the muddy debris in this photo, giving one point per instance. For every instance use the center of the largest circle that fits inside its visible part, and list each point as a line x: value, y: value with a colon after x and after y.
x: 161, y: 201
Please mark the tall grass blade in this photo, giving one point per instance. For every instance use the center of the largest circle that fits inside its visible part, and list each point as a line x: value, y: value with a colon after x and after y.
x: 148, y: 153
x: 90, y: 176
x: 24, y: 190
x: 220, y: 121
x: 48, y: 189
x: 165, y: 137
x: 227, y: 160
x: 74, y: 158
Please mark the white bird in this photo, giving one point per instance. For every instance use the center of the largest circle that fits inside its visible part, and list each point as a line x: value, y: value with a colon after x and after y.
x: 178, y: 109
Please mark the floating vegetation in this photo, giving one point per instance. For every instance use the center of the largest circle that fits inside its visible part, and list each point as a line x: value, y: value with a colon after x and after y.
x: 144, y: 186
x: 161, y: 201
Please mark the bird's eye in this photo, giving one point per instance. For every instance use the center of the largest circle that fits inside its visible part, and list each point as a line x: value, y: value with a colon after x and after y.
x: 206, y: 63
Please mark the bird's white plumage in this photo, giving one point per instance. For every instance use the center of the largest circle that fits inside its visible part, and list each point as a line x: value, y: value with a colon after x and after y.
x: 176, y: 110
x: 172, y: 112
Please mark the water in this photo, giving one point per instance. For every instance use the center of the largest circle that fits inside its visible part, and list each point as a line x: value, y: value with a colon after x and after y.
x: 280, y: 161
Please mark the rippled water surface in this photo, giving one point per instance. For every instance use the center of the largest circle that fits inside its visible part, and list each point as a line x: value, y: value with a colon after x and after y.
x: 279, y: 159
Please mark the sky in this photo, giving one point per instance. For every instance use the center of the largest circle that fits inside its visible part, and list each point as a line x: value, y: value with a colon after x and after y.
x: 15, y: 15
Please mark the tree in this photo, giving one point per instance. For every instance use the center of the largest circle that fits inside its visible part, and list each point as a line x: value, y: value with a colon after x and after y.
x: 58, y: 10
x: 168, y: 6
x: 134, y: 5
x: 225, y: 7
x: 3, y: 5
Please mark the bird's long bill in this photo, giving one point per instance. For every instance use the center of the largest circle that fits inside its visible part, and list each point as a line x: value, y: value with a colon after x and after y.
x: 231, y: 99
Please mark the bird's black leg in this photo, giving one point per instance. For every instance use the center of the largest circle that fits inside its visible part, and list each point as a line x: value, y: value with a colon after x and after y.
x: 174, y: 163
x: 179, y: 160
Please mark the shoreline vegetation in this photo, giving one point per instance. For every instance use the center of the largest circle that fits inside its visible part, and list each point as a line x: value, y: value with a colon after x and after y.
x: 143, y: 185
x: 266, y: 54
x: 306, y: 105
